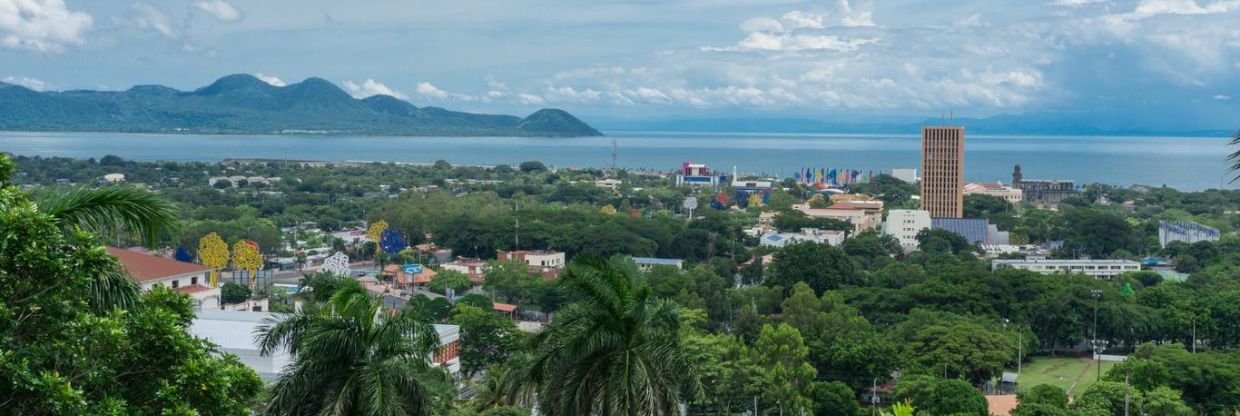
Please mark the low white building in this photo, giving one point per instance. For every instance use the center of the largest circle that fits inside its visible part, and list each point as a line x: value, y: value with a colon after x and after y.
x: 831, y: 237
x: 905, y: 224
x: 114, y: 177
x: 995, y: 189
x: 1104, y: 269
x: 861, y: 217
x: 150, y: 270
x: 233, y: 331
x: 535, y: 258
x: 608, y: 183
x: 647, y: 263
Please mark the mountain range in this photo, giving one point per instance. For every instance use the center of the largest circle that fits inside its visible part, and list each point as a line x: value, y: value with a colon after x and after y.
x: 243, y: 104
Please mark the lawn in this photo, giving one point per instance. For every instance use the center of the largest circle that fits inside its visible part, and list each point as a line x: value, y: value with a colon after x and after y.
x: 1071, y: 374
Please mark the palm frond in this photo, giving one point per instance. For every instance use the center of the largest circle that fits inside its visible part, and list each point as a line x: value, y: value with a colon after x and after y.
x: 113, y: 208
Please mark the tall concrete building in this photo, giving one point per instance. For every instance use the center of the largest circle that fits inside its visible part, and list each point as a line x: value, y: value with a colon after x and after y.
x: 942, y: 171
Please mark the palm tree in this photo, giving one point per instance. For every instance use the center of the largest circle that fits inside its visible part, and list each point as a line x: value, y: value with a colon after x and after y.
x: 111, y: 208
x: 615, y: 350
x: 1234, y: 158
x: 351, y: 357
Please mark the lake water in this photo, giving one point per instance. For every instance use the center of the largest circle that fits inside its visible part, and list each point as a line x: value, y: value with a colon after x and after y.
x: 1188, y: 163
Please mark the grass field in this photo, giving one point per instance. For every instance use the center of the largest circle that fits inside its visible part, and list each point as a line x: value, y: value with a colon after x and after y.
x: 1074, y: 375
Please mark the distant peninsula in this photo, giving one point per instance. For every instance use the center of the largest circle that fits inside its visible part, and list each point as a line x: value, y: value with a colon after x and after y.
x: 244, y: 104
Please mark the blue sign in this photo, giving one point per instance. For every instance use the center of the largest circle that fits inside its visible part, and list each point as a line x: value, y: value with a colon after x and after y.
x: 411, y: 268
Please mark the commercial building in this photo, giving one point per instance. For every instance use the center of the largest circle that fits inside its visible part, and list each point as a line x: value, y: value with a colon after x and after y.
x: 150, y: 270
x: 1103, y: 269
x: 1185, y: 231
x: 942, y: 171
x: 1045, y: 192
x: 995, y: 189
x: 974, y: 230
x: 698, y: 174
x: 647, y: 263
x: 904, y: 224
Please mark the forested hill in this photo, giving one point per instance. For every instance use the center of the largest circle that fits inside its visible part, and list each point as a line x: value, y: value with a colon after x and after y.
x: 243, y: 104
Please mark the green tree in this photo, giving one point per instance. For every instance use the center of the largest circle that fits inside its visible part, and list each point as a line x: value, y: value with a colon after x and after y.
x: 450, y: 279
x: 486, y: 337
x: 1041, y: 400
x: 955, y: 397
x: 820, y: 266
x: 351, y: 358
x: 788, y: 376
x: 960, y: 349
x: 68, y: 347
x: 834, y: 398
x: 615, y: 350
x: 231, y: 293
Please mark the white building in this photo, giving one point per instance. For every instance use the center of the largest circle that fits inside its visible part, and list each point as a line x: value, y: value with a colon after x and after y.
x: 1185, y: 231
x: 995, y: 189
x: 647, y: 263
x: 150, y: 270
x: 536, y: 258
x: 114, y: 177
x: 832, y: 237
x: 608, y: 183
x: 907, y: 175
x: 233, y: 331
x: 904, y: 224
x: 1104, y: 269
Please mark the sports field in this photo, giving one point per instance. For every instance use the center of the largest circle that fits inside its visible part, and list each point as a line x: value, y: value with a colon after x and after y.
x: 1074, y: 375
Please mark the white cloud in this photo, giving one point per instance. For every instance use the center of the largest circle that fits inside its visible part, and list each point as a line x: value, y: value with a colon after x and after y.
x: 41, y: 25
x: 222, y: 10
x: 148, y: 17
x: 1221, y: 97
x: 429, y: 90
x: 530, y: 99
x: 31, y: 83
x: 1075, y: 3
x: 371, y: 87
x: 270, y: 79
x: 802, y: 20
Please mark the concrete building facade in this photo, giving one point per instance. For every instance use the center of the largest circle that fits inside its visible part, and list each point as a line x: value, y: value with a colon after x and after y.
x: 904, y: 224
x: 942, y: 171
x: 1103, y: 269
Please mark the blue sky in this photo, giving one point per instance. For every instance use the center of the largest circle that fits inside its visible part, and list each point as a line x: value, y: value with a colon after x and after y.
x: 1156, y: 62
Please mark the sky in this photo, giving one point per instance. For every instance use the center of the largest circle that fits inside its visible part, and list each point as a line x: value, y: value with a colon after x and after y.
x: 1170, y: 63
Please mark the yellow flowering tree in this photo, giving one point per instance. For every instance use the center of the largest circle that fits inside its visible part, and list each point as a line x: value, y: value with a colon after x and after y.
x: 213, y: 253
x: 375, y: 232
x: 246, y: 257
x: 608, y: 209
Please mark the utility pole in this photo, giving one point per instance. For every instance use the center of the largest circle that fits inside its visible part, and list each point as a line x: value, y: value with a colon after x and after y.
x: 1127, y: 394
x: 516, y: 234
x: 1097, y: 351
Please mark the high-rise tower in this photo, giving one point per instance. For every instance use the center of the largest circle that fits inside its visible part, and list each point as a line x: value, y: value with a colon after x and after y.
x: 942, y: 171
